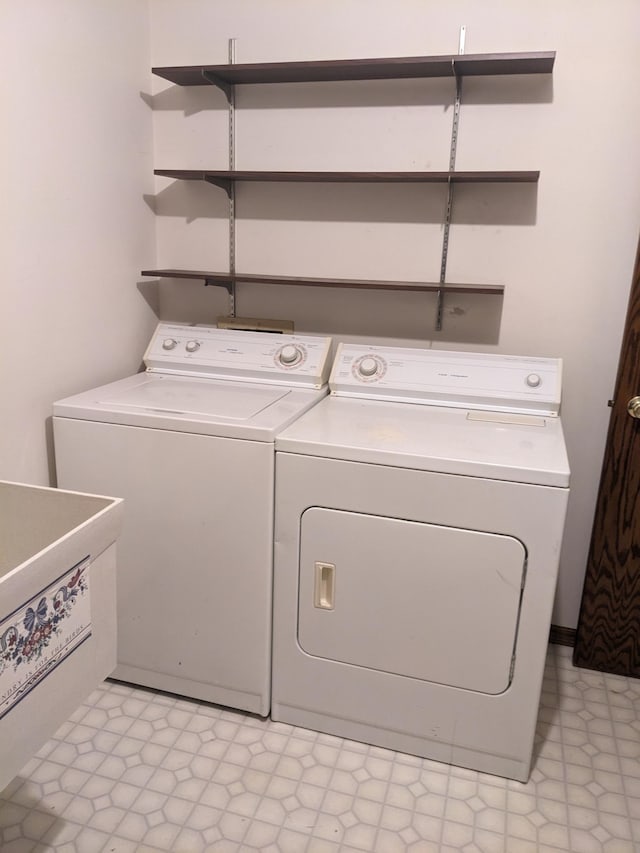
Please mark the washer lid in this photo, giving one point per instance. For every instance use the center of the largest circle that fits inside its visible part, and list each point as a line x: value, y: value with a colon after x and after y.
x: 189, y: 404
x: 189, y: 398
x: 517, y: 448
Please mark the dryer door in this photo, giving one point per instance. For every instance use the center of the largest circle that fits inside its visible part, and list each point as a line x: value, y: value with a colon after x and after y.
x: 420, y: 600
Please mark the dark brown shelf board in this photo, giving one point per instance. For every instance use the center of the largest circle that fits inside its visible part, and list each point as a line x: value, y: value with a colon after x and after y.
x: 449, y: 65
x: 224, y: 178
x: 362, y: 284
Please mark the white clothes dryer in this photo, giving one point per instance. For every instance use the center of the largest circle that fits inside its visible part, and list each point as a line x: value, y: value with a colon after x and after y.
x: 189, y: 444
x: 419, y: 517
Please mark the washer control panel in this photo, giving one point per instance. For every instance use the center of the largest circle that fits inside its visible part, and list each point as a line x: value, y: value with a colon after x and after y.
x: 240, y: 355
x: 518, y: 384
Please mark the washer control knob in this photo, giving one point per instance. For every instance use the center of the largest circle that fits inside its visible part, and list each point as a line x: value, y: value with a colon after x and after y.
x: 368, y: 367
x: 290, y: 354
x: 533, y: 380
x: 169, y: 343
x: 192, y: 346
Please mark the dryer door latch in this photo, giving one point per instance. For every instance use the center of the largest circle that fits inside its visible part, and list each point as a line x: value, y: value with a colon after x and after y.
x: 324, y: 586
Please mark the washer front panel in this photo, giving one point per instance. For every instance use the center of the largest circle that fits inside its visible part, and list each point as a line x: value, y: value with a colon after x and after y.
x: 194, y: 557
x: 422, y: 582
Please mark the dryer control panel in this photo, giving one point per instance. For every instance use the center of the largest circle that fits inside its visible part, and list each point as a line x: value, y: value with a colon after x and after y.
x: 506, y: 383
x: 207, y: 351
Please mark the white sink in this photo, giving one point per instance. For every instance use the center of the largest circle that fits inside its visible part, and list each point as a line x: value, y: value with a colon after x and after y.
x: 57, y: 611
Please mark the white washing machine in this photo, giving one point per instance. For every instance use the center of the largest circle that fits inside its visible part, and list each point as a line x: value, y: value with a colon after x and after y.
x: 189, y: 444
x: 419, y: 517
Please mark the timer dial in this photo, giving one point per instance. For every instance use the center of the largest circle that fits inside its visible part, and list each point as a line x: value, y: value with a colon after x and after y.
x: 369, y: 368
x: 290, y: 355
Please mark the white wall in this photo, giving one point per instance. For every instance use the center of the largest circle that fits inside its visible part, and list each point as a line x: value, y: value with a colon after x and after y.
x: 564, y: 252
x: 75, y: 230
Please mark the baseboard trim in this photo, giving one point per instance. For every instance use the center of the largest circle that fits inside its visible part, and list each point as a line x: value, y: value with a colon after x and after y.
x: 561, y: 636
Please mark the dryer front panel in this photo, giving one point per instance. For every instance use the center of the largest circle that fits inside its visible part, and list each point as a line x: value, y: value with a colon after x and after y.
x: 383, y: 593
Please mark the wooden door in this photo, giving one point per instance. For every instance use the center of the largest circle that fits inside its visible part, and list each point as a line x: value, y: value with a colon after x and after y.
x: 608, y: 635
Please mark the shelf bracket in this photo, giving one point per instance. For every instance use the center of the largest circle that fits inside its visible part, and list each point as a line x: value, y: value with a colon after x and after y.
x: 223, y: 183
x: 450, y: 185
x: 227, y: 88
x: 230, y: 287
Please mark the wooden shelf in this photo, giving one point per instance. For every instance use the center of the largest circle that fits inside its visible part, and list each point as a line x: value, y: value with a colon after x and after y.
x: 226, y: 279
x: 456, y: 66
x: 449, y: 65
x: 225, y: 177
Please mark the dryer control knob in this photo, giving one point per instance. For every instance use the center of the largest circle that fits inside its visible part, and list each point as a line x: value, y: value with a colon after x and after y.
x: 192, y: 346
x: 368, y: 367
x: 290, y: 354
x: 169, y: 343
x: 533, y: 380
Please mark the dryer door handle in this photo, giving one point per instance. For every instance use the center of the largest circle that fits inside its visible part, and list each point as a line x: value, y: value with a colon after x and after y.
x: 324, y: 586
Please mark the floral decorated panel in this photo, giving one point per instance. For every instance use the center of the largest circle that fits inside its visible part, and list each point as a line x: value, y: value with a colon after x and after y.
x: 36, y: 637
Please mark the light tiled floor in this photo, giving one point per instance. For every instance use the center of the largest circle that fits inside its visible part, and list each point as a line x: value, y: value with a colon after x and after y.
x: 138, y: 771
